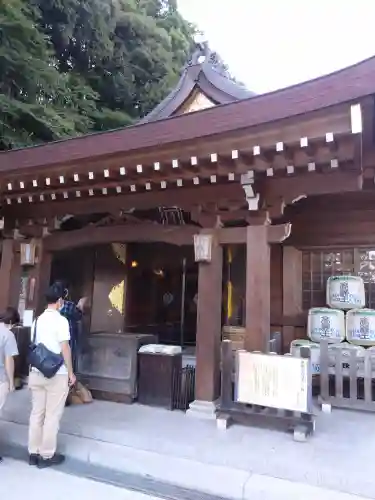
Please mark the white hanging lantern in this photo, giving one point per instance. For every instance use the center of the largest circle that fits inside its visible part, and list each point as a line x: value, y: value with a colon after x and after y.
x: 203, y: 247
x: 28, y: 253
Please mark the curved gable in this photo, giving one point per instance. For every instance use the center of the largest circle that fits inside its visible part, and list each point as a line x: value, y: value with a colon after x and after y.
x: 204, y: 82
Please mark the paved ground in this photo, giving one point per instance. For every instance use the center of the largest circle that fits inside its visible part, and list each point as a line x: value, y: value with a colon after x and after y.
x: 18, y: 480
x: 59, y: 486
x: 162, y: 447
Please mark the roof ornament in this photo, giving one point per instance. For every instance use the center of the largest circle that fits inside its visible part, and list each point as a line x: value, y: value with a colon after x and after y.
x: 206, y: 73
x: 204, y: 55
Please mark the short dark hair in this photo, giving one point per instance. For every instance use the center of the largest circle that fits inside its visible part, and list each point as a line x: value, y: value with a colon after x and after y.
x: 63, y: 286
x: 53, y: 294
x: 10, y: 316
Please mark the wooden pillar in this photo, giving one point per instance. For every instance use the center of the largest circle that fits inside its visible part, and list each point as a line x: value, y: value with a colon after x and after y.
x: 39, y: 279
x: 258, y: 315
x: 208, y: 339
x: 292, y: 291
x: 10, y: 274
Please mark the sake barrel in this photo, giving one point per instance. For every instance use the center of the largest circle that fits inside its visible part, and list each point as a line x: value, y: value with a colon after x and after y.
x: 346, y: 349
x: 295, y: 350
x: 326, y: 324
x: 360, y: 327
x: 345, y: 292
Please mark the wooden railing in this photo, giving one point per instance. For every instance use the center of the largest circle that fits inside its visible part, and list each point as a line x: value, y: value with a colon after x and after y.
x: 347, y: 382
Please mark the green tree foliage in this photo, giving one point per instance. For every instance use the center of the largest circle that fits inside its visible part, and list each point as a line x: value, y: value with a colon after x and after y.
x: 36, y: 101
x: 70, y: 67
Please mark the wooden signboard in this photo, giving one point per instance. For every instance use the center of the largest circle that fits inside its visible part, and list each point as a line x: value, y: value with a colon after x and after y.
x: 273, y: 381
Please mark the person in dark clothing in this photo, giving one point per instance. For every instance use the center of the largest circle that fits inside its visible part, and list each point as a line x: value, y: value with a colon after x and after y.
x: 73, y: 313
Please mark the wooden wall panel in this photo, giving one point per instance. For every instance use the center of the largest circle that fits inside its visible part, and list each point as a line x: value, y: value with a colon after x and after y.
x: 110, y: 272
x: 276, y: 284
x: 335, y: 220
x: 292, y: 292
x: 10, y: 274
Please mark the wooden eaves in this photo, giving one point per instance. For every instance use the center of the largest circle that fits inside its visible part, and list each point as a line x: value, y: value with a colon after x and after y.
x: 342, y: 86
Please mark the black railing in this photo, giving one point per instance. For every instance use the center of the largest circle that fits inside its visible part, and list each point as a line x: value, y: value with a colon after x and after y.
x: 183, y: 388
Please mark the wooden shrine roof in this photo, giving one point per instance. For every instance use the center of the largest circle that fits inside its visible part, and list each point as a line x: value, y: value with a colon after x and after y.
x: 344, y: 86
x: 205, y: 73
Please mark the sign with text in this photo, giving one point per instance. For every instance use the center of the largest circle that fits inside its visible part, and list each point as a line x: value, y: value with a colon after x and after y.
x: 274, y: 381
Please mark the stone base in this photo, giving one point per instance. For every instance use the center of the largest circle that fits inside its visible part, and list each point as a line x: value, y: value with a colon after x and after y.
x: 326, y: 408
x: 202, y: 409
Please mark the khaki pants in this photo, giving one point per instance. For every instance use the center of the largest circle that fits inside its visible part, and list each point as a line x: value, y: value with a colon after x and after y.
x: 4, y: 390
x: 48, y: 398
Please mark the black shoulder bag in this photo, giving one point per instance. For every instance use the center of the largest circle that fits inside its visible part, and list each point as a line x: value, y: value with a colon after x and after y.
x: 44, y: 360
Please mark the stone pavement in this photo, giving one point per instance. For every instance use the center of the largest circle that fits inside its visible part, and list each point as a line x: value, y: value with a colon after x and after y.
x: 59, y: 486
x: 56, y: 485
x: 242, y: 462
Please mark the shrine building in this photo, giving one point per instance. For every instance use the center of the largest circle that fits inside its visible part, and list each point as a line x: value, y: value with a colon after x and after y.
x: 221, y: 214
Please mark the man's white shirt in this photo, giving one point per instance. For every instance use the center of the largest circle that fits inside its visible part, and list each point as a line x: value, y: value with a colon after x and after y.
x: 51, y: 330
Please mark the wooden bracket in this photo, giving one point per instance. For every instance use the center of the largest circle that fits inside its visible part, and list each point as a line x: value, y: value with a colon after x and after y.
x: 276, y: 208
x: 260, y: 218
x: 279, y: 233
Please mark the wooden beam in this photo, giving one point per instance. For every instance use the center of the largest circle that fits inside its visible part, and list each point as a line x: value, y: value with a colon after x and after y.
x: 31, y: 230
x: 232, y: 235
x: 183, y: 198
x: 148, y: 176
x: 92, y: 235
x: 333, y: 235
x: 361, y: 201
x: 206, y: 220
x: 323, y: 216
x: 150, y: 232
x: 140, y: 175
x: 310, y: 184
x: 237, y: 235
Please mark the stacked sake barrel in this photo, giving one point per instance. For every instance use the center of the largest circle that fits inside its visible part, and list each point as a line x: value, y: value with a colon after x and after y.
x: 348, y: 294
x: 345, y: 324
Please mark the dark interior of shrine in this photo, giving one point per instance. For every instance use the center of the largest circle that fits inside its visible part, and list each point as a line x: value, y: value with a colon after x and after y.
x: 147, y: 288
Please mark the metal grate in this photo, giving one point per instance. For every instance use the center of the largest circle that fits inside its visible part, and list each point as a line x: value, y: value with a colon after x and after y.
x: 184, y: 388
x: 172, y: 216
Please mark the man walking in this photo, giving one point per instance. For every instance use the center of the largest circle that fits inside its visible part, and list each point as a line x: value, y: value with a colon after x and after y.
x: 49, y: 394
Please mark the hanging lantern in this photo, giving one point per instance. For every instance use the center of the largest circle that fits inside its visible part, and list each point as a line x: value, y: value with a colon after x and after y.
x: 28, y: 253
x: 202, y: 247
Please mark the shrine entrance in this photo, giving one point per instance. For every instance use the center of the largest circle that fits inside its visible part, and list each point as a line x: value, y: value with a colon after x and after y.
x: 162, y: 292
x: 135, y: 288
